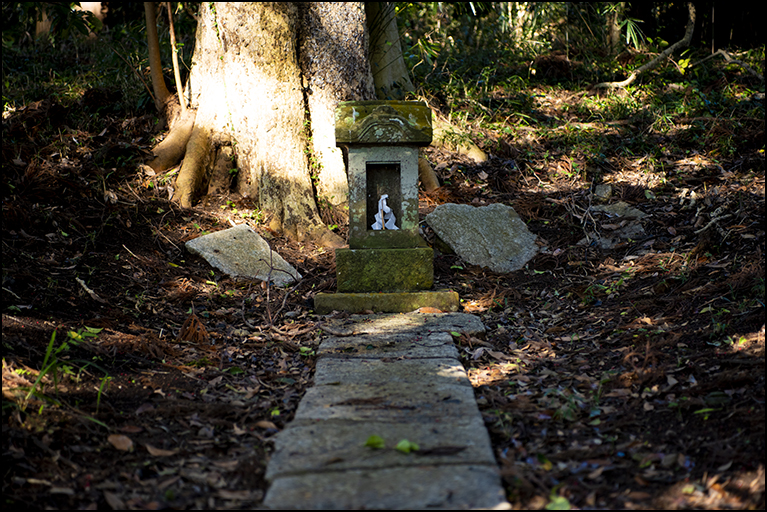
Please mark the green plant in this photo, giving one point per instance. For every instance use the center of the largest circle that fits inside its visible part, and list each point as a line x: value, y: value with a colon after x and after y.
x: 718, y: 324
x: 54, y: 362
x: 406, y: 446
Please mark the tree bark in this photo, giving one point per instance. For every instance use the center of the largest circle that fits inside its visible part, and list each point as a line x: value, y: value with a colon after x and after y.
x: 161, y: 93
x: 392, y: 81
x: 170, y: 150
x: 267, y: 77
x: 614, y: 28
x: 682, y: 43
x: 334, y: 63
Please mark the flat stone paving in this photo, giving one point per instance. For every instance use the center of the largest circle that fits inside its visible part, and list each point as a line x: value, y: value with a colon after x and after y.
x: 396, y: 376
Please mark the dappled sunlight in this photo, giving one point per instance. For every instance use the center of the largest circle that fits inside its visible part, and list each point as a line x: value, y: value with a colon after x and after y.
x: 622, y: 367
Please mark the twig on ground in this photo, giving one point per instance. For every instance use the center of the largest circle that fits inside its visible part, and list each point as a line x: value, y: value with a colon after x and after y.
x: 90, y: 292
x: 729, y: 58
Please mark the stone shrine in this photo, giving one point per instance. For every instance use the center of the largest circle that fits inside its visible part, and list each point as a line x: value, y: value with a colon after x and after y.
x: 388, y: 267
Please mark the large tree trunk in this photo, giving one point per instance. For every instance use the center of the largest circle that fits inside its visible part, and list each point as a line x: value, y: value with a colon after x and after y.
x: 335, y: 65
x: 266, y: 77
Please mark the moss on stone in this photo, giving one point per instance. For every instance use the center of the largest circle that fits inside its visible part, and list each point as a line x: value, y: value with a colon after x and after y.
x: 384, y: 270
x: 383, y: 122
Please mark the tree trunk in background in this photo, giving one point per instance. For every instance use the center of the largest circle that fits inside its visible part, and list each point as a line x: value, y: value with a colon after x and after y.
x: 389, y: 72
x: 679, y: 45
x: 266, y: 78
x: 614, y: 28
x: 161, y: 93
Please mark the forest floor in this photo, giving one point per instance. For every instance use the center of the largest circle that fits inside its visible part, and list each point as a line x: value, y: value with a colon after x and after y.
x: 622, y: 377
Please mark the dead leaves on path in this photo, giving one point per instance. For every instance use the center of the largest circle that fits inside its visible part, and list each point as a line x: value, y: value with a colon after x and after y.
x: 193, y: 331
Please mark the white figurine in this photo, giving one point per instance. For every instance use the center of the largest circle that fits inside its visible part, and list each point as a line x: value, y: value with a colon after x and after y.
x: 384, y: 218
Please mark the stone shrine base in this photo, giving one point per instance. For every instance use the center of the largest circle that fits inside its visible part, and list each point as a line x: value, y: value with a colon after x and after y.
x: 374, y: 270
x: 395, y: 302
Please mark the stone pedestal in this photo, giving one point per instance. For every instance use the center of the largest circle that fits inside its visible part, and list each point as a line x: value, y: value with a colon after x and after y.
x: 384, y: 270
x: 388, y: 266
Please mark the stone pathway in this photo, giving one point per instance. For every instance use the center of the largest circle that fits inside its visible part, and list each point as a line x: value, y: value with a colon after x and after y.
x: 397, y: 377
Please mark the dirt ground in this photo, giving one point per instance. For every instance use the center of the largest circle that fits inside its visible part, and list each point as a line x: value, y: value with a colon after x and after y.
x: 627, y: 376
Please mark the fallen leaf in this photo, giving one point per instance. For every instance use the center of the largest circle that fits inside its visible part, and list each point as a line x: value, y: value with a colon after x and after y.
x: 234, y: 495
x: 228, y: 465
x: 266, y: 424
x: 478, y: 353
x: 121, y: 442
x: 724, y: 467
x: 498, y: 355
x: 193, y: 331
x: 145, y: 407
x: 131, y: 429
x: 596, y: 473
x: 159, y: 452
x: 375, y: 442
x: 114, y: 501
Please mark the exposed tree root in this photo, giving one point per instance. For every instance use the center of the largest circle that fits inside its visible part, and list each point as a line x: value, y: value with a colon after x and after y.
x: 427, y: 176
x: 683, y: 43
x: 190, y: 177
x: 170, y: 151
x: 326, y: 238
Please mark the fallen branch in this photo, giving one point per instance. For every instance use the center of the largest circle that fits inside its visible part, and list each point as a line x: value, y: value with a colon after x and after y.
x: 728, y: 58
x: 90, y: 292
x: 683, y: 43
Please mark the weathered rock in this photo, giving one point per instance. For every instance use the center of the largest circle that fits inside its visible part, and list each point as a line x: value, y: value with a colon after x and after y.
x: 621, y: 209
x: 623, y: 225
x: 603, y: 192
x: 240, y: 251
x: 383, y: 122
x: 490, y: 236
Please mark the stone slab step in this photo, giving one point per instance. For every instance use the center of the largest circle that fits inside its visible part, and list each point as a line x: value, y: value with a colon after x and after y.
x: 334, y: 446
x: 397, y: 377
x: 392, y: 402
x: 438, y: 344
x: 446, y: 487
x: 376, y: 372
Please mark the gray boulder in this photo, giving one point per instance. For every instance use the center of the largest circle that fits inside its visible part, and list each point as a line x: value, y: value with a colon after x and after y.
x: 240, y: 251
x: 490, y: 236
